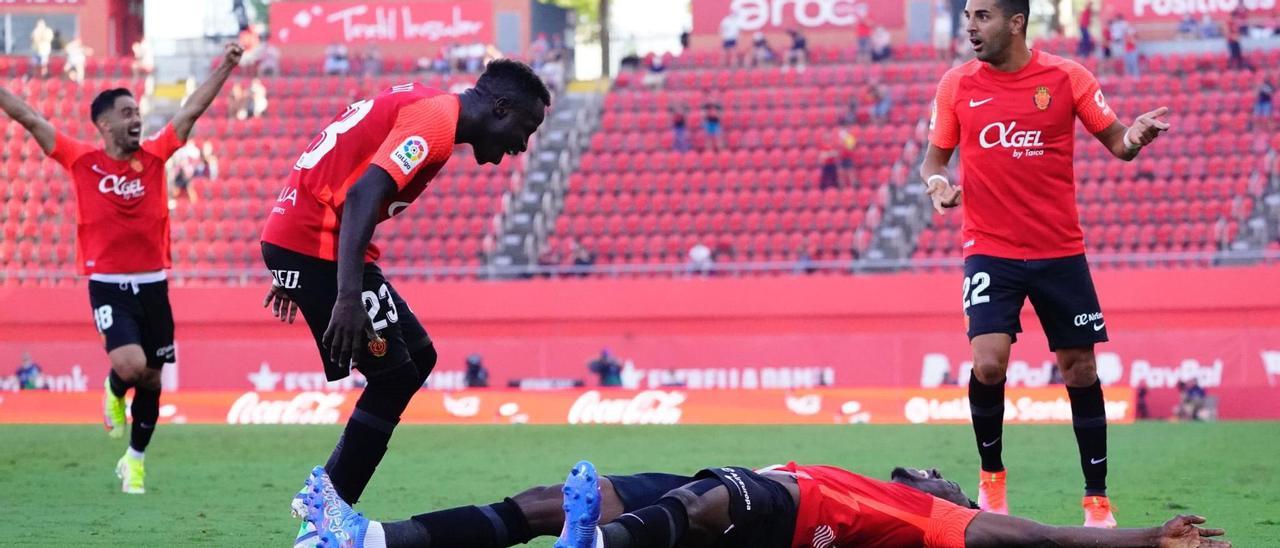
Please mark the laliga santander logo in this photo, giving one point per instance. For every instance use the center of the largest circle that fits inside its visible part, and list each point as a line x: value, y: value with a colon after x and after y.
x: 1008, y: 137
x: 648, y: 407
x: 758, y: 14
x: 414, y: 149
x: 304, y: 408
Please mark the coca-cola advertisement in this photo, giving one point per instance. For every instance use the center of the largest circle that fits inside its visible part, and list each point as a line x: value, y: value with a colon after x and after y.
x: 574, y: 407
x: 320, y: 23
x: 778, y: 15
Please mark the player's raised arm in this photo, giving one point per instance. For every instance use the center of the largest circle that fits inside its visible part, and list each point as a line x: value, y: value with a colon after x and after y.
x: 1125, y: 142
x: 200, y: 100
x: 349, y: 324
x: 989, y: 529
x: 35, y: 124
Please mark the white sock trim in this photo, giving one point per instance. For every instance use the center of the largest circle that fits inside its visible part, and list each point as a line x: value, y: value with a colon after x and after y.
x: 134, y: 454
x: 374, y: 536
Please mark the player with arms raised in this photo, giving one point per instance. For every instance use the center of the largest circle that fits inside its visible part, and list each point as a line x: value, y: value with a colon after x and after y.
x: 1012, y: 112
x: 122, y: 243
x: 370, y: 163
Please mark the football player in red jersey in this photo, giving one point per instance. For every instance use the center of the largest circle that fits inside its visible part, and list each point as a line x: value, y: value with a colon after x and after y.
x: 368, y: 165
x: 1012, y: 113
x: 122, y: 237
x: 786, y: 506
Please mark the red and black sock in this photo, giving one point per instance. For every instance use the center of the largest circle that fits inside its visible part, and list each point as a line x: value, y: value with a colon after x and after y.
x: 986, y: 404
x: 1089, y: 418
x: 364, y: 441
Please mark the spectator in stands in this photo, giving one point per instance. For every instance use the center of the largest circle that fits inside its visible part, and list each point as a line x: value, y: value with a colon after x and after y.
x: 29, y: 374
x: 1130, y: 39
x: 729, y: 30
x: 1085, y: 48
x: 77, y: 56
x: 552, y: 72
x: 804, y: 261
x: 269, y: 60
x: 42, y: 46
x: 1187, y: 27
x: 609, y: 370
x: 655, y: 75
x: 1236, y: 60
x: 712, y: 110
x: 1208, y: 27
x: 1266, y: 92
x: 1192, y: 404
x: 250, y: 39
x: 238, y: 102
x: 798, y: 55
x: 847, y: 143
x: 863, y: 31
x: 548, y: 259
x: 943, y: 34
x: 701, y: 263
x: 184, y: 166
x: 257, y: 98
x: 880, y: 45
x: 829, y: 156
x: 684, y: 39
x: 371, y: 63
x: 144, y: 62
x: 476, y: 376
x: 761, y: 53
x: 881, y: 102
x: 583, y: 259
x: 680, y: 127
x: 337, y: 60
x: 208, y: 162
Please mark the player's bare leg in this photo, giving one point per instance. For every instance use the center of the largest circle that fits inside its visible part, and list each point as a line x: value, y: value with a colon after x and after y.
x: 1089, y: 418
x: 986, y: 404
x: 129, y: 370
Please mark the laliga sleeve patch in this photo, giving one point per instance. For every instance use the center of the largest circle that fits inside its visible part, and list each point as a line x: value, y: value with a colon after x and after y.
x: 410, y: 153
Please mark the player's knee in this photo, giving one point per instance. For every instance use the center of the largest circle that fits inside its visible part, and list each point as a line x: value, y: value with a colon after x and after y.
x: 706, y: 514
x: 130, y: 366
x: 149, y: 379
x: 1078, y: 367
x: 989, y: 369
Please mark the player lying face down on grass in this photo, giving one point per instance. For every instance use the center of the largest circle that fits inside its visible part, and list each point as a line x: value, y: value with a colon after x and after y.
x: 785, y: 506
x: 368, y: 165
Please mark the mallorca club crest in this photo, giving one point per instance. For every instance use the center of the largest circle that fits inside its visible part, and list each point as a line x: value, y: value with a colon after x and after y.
x: 1043, y: 98
x: 378, y: 346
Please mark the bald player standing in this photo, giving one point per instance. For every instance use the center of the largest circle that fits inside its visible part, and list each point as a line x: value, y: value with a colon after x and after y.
x: 1012, y: 112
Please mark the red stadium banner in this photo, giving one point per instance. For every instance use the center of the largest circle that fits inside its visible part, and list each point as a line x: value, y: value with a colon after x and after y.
x: 1156, y: 10
x: 620, y: 407
x: 320, y: 23
x: 778, y: 15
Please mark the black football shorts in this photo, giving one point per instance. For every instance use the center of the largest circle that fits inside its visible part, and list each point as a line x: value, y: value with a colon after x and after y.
x: 1061, y: 291
x: 313, y: 284
x: 135, y: 313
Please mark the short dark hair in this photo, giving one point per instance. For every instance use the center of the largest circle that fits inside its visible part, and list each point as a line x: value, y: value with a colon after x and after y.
x: 106, y: 101
x: 508, y: 77
x: 1014, y: 7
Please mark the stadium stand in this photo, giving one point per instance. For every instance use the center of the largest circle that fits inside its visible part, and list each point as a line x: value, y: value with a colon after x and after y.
x: 633, y: 200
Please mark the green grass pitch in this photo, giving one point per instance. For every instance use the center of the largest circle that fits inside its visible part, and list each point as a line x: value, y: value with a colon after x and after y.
x: 231, y: 485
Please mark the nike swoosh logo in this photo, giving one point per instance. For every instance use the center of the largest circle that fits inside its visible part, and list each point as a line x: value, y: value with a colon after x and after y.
x: 1099, y: 326
x: 976, y: 104
x: 992, y: 442
x: 1097, y: 461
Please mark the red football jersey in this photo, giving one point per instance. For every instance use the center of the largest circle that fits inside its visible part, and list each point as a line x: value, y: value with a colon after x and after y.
x: 407, y: 130
x: 839, y: 508
x: 1016, y: 137
x: 122, y: 212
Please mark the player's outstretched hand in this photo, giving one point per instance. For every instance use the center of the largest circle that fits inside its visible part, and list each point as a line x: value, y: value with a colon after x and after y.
x: 281, y: 305
x: 231, y: 53
x: 349, y: 327
x: 1147, y: 127
x: 945, y: 195
x: 1181, y: 532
